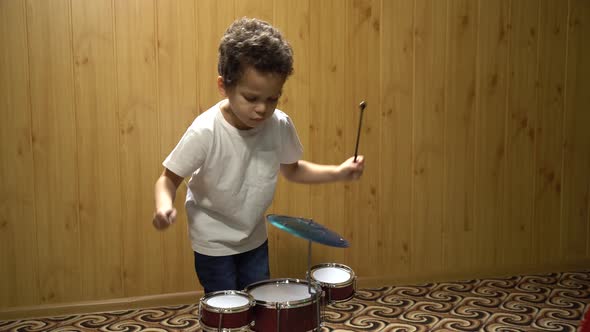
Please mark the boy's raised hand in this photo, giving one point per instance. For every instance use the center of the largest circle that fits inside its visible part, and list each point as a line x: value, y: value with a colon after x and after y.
x: 350, y: 169
x: 164, y: 218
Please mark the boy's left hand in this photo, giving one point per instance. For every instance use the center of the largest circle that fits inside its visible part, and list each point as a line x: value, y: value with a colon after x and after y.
x: 350, y: 169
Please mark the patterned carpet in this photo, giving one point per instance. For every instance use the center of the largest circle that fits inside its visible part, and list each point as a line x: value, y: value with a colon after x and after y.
x: 548, y: 302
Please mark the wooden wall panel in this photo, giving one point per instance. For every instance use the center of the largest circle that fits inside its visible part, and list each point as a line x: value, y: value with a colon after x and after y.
x: 18, y: 241
x: 213, y: 17
x: 262, y: 9
x: 392, y: 233
x: 327, y: 84
x: 362, y: 197
x: 428, y: 130
x: 520, y: 134
x: 97, y: 138
x: 576, y: 158
x: 54, y: 150
x: 288, y: 254
x: 137, y: 84
x: 460, y: 134
x: 177, y: 108
x: 490, y: 162
x: 549, y: 132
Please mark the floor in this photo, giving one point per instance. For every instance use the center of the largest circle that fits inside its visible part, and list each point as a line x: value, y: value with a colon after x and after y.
x: 547, y: 302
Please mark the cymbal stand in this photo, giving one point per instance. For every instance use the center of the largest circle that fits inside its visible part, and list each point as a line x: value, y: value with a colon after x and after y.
x: 318, y: 296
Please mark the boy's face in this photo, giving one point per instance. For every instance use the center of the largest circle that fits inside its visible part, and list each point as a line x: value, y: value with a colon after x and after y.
x: 253, y: 99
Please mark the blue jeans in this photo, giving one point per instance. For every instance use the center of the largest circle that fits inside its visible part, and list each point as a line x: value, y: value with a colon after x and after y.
x: 233, y: 272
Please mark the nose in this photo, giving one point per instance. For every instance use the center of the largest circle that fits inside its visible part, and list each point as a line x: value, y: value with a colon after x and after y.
x: 260, y: 108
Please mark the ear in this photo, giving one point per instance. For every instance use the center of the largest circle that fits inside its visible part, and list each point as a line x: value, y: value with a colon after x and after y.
x: 221, y: 86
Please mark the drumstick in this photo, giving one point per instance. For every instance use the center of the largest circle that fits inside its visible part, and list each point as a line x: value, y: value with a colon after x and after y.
x: 362, y: 106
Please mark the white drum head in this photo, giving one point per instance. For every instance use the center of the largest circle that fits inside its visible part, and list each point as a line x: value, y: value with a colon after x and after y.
x: 226, y: 301
x: 331, y: 275
x: 281, y: 292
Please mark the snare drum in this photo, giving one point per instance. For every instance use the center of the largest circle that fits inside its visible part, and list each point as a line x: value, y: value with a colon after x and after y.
x: 226, y: 311
x: 286, y: 305
x: 337, y: 281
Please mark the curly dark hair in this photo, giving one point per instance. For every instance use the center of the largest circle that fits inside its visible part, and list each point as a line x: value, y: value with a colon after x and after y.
x: 253, y: 42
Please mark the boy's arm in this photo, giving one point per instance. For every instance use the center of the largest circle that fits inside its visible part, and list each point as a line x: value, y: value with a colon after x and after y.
x: 307, y: 172
x: 165, y: 192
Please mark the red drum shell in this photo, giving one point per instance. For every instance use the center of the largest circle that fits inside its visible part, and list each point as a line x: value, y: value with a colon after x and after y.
x: 290, y: 316
x: 335, y: 291
x: 231, y: 318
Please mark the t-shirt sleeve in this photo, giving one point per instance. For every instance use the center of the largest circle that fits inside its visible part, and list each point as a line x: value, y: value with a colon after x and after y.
x: 291, y: 148
x: 190, y: 152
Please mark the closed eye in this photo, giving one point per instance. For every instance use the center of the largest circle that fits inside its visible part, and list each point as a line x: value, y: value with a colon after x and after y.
x: 252, y: 99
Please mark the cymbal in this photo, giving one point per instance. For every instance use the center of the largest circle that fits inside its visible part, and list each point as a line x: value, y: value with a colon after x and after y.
x: 307, y: 229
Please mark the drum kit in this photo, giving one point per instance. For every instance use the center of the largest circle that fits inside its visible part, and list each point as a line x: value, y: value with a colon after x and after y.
x: 283, y: 305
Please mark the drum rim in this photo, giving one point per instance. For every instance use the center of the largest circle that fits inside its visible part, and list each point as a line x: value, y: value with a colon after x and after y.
x: 206, y: 328
x: 346, y: 283
x: 239, y: 309
x: 287, y: 304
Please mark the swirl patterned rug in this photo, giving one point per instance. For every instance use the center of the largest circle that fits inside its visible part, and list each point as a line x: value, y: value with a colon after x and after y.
x: 547, y: 302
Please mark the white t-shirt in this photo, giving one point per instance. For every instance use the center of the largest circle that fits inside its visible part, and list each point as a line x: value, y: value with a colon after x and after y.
x: 233, y: 175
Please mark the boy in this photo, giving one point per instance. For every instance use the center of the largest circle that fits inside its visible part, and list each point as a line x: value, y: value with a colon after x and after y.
x: 232, y: 154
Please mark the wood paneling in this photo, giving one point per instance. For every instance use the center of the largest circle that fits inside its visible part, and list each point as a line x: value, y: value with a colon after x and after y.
x: 137, y: 104
x: 516, y: 225
x: 576, y: 158
x: 390, y: 231
x: 55, y: 150
x: 361, y: 198
x: 490, y: 161
x: 327, y: 76
x: 430, y: 36
x: 460, y: 134
x: 97, y: 138
x: 18, y: 237
x: 177, y: 107
x: 549, y: 131
x: 477, y: 153
x: 213, y: 17
x: 262, y: 9
x: 288, y: 253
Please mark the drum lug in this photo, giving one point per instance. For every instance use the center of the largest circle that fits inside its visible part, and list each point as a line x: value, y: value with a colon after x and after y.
x: 278, y: 307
